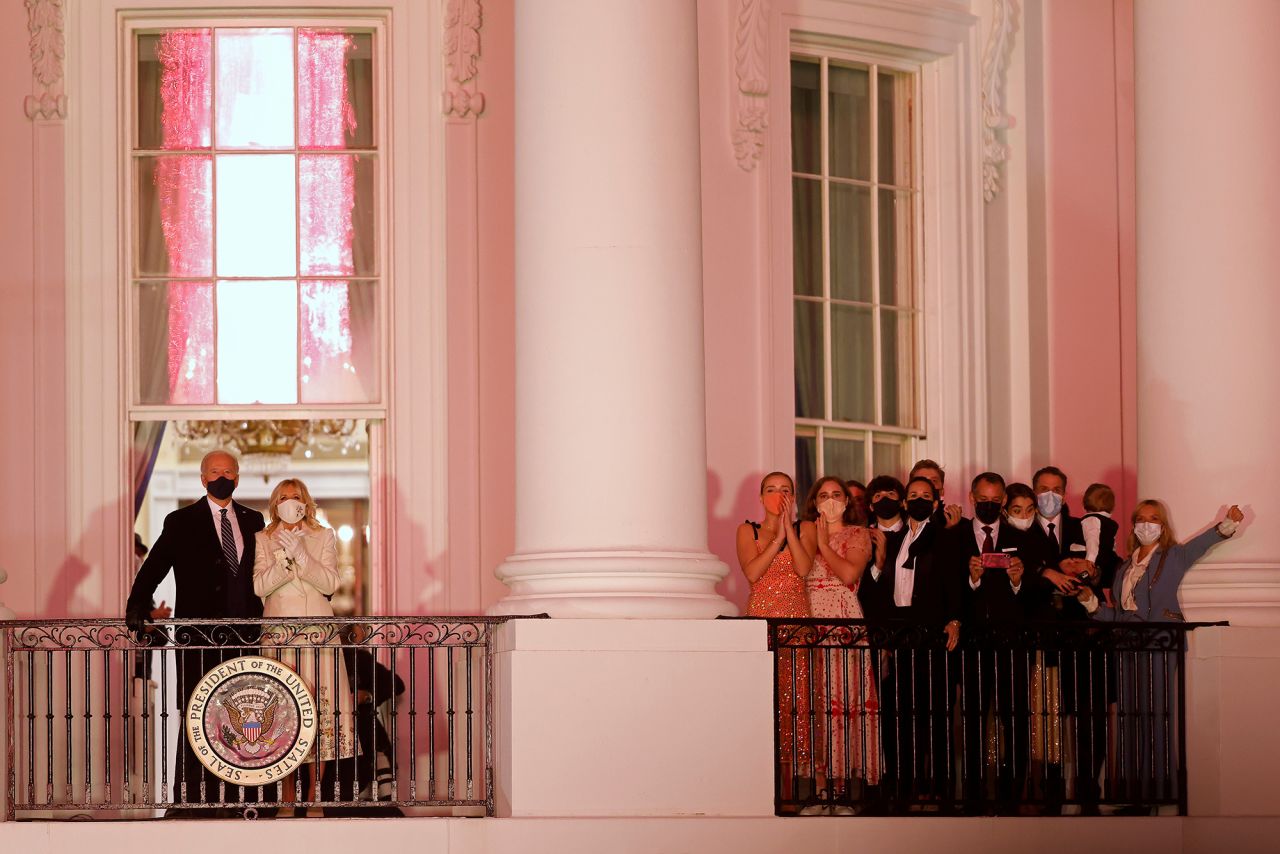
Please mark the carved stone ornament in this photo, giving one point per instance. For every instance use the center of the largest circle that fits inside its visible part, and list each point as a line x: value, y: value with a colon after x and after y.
x: 462, y: 22
x: 750, y: 65
x: 48, y: 50
x: 995, y: 62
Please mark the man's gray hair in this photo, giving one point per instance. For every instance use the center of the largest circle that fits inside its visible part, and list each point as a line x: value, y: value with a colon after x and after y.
x: 204, y: 461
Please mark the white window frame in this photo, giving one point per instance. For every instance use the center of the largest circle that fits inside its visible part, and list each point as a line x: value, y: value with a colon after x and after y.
x: 817, y: 428
x: 410, y: 473
x: 944, y: 40
x: 131, y: 24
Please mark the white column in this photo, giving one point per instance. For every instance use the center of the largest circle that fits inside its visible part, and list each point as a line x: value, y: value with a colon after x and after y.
x: 610, y: 411
x: 1208, y: 209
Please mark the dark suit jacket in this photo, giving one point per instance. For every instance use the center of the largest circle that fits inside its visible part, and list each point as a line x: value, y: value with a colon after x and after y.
x: 935, y: 595
x: 190, y: 545
x: 1047, y: 553
x: 994, y: 600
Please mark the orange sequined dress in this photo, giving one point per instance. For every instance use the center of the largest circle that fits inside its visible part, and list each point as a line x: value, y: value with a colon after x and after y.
x: 782, y: 593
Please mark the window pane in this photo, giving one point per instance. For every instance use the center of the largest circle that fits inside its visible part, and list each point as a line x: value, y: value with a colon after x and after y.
x: 894, y: 127
x: 806, y: 117
x: 850, y: 242
x: 339, y: 342
x: 255, y: 214
x: 844, y: 458
x: 898, y: 364
x: 174, y: 89
x: 255, y: 88
x: 887, y: 456
x: 257, y: 342
x: 896, y: 258
x: 806, y: 225
x: 335, y: 89
x: 806, y: 463
x: 808, y: 350
x: 337, y: 214
x: 848, y: 122
x: 852, y: 364
x: 175, y: 223
x: 174, y: 353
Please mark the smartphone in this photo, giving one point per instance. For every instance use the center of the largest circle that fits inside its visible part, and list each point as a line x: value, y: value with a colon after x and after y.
x: 995, y: 560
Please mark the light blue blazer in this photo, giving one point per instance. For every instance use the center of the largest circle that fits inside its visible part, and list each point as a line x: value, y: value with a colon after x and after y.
x: 1156, y: 593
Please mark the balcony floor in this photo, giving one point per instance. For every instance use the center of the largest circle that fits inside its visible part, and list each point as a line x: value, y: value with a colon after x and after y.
x: 1167, y: 835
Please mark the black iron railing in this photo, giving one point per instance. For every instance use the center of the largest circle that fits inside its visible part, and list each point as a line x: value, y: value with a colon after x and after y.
x: 96, y: 716
x: 1022, y: 719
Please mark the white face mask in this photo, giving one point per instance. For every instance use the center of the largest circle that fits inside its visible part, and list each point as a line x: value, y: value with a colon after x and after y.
x: 1049, y: 504
x: 291, y: 510
x: 1147, y: 532
x: 1020, y: 524
x: 832, y: 510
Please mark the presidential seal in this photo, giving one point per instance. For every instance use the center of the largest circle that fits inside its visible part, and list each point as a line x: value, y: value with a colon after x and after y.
x: 251, y: 720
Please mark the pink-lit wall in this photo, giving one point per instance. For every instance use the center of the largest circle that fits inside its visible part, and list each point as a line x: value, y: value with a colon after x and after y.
x: 33, y: 448
x: 1089, y: 271
x: 1086, y: 282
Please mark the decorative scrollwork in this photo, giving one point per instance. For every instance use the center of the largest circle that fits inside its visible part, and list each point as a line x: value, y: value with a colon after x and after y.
x: 48, y: 52
x: 371, y: 633
x: 462, y: 22
x: 750, y: 67
x: 995, y: 61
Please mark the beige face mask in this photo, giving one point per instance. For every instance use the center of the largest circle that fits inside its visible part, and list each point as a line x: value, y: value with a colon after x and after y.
x: 291, y: 510
x: 832, y: 510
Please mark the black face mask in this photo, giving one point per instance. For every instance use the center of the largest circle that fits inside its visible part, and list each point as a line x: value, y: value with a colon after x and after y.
x: 987, y: 511
x: 886, y: 508
x: 221, y: 488
x: 919, y: 509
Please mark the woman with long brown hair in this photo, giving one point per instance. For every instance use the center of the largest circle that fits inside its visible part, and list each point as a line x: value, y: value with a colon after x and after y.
x: 841, y: 550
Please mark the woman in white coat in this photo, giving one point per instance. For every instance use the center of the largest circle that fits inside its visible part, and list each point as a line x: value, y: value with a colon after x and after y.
x: 295, y: 571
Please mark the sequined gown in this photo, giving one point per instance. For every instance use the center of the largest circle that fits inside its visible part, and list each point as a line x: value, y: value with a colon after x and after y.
x: 781, y: 593
x: 846, y: 685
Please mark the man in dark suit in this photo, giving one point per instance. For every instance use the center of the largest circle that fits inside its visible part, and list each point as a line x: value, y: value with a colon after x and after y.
x: 1058, y: 539
x: 915, y: 709
x: 990, y: 557
x: 209, y: 545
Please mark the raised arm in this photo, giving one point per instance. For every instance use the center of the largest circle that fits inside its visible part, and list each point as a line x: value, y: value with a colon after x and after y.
x: 321, y: 573
x: 269, y: 575
x: 754, y: 565
x: 159, y: 561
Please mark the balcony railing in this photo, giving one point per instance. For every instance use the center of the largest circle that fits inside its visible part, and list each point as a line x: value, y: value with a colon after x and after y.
x: 102, y: 721
x: 1025, y: 719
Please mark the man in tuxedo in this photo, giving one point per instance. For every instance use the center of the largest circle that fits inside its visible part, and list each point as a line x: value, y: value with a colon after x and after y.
x: 990, y: 557
x: 209, y: 546
x: 1058, y: 539
x: 914, y: 588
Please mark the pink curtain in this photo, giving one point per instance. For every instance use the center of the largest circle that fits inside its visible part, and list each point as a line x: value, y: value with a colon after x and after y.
x: 326, y: 195
x: 326, y: 199
x: 185, y: 189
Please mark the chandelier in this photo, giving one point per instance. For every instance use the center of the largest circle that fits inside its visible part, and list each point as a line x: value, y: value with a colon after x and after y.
x: 266, y: 447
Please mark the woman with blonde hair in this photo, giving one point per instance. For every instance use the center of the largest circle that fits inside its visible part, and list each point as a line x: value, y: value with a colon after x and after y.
x: 1146, y: 591
x: 295, y: 571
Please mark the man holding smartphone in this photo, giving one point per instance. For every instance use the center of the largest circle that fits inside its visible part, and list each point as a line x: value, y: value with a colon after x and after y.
x: 997, y: 592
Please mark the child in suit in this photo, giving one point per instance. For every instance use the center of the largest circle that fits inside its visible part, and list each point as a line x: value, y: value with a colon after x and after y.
x: 1100, y: 534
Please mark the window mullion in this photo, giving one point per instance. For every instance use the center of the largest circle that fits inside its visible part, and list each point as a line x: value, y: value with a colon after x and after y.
x: 213, y: 198
x: 824, y: 121
x: 297, y: 232
x: 877, y: 377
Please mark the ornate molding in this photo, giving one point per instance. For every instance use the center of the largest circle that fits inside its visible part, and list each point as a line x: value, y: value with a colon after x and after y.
x: 48, y: 50
x: 462, y: 22
x: 750, y: 65
x: 995, y: 62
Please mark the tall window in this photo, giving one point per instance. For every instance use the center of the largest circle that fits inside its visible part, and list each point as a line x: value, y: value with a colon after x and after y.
x: 255, y: 259
x: 855, y: 194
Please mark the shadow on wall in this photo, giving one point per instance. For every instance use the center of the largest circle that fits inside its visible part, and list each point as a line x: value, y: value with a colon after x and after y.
x: 722, y: 531
x: 68, y: 596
